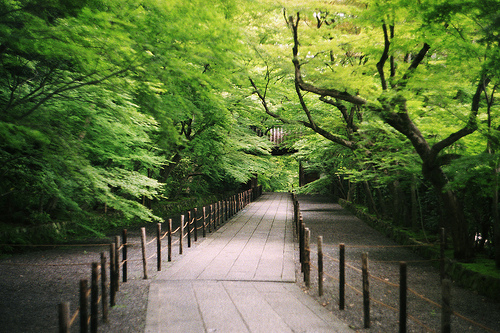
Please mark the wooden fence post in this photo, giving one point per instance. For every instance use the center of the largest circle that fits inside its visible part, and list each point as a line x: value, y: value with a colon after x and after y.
x: 117, y: 263
x: 112, y: 289
x: 307, y: 258
x: 402, y: 296
x: 64, y: 317
x: 124, y: 255
x: 442, y: 244
x: 219, y: 212
x: 144, y: 257
x: 204, y: 222
x: 341, y: 276
x: 296, y: 214
x: 320, y: 266
x: 181, y: 236
x: 169, y: 240
x: 84, y: 306
x: 195, y: 226
x: 210, y: 218
x: 104, y: 288
x: 301, y: 243
x: 94, y: 298
x: 189, y: 228
x: 446, y: 306
x: 215, y: 216
x: 158, y: 247
x: 366, y: 290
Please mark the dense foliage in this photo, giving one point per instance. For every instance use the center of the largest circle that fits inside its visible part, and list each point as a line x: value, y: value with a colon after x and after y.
x: 112, y: 105
x: 403, y: 95
x: 118, y: 106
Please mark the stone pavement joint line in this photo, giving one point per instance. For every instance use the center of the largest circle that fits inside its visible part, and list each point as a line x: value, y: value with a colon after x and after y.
x: 241, y: 278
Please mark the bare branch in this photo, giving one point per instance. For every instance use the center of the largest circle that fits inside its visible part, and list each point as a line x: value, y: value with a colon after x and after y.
x: 384, y: 57
x: 469, y: 128
x: 413, y: 66
x: 334, y: 93
x: 327, y: 135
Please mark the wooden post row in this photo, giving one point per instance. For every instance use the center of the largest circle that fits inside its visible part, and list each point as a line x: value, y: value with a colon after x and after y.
x: 169, y: 240
x: 144, y: 257
x: 84, y: 304
x: 307, y: 258
x: 301, y: 244
x: 181, y: 236
x: 104, y: 288
x: 402, y: 297
x: 446, y: 306
x: 204, y: 222
x: 320, y: 266
x: 189, y: 228
x: 195, y: 226
x: 64, y: 317
x: 158, y: 247
x: 117, y: 263
x: 341, y: 276
x: 94, y: 298
x: 210, y: 219
x: 124, y: 254
x: 366, y: 290
x: 442, y: 257
x: 112, y: 289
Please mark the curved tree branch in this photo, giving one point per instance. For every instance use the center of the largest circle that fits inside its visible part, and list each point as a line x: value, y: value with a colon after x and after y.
x: 324, y: 133
x: 384, y: 57
x: 334, y: 93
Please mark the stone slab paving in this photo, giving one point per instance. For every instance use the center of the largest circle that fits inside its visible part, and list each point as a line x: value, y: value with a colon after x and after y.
x: 241, y: 278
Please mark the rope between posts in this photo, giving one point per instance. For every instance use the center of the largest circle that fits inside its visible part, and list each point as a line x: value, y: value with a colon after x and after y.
x: 473, y: 322
x: 151, y: 241
x: 73, y: 318
x: 424, y: 298
x: 151, y: 256
x: 164, y: 235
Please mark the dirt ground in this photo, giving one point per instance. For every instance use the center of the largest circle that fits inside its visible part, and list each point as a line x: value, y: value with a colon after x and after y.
x: 32, y: 284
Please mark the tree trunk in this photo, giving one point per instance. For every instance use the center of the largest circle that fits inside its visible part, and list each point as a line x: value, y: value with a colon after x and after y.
x: 414, y: 204
x: 167, y: 170
x: 454, y: 218
x: 372, y: 207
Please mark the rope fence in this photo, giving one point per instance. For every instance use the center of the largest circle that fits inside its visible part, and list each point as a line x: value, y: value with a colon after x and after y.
x: 219, y: 213
x: 303, y: 235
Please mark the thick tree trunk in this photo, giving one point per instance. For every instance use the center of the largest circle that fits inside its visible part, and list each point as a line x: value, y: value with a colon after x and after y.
x: 370, y: 202
x: 414, y: 205
x: 167, y: 170
x: 454, y: 218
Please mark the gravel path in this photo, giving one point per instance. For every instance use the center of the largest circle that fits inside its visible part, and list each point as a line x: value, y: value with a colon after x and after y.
x: 33, y: 284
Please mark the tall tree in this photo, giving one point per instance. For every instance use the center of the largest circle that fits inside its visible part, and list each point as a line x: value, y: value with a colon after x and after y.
x: 415, y: 71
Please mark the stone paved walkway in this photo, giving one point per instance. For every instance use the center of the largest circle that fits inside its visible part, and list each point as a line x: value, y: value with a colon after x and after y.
x: 241, y: 278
